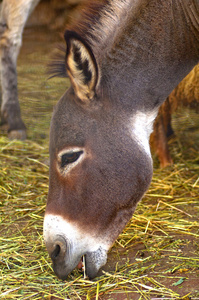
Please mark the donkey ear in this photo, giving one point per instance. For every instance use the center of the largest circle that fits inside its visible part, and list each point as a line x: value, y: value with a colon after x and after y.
x: 81, y: 66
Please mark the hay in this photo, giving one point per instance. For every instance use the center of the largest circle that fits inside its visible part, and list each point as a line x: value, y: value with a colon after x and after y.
x: 167, y: 211
x: 152, y: 257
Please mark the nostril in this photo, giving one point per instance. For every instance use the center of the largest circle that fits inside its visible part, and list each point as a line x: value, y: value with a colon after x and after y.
x: 56, y: 252
x: 57, y: 248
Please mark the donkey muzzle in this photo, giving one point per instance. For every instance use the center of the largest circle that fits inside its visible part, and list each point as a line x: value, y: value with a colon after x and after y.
x: 94, y: 261
x: 66, y: 245
x: 65, y: 260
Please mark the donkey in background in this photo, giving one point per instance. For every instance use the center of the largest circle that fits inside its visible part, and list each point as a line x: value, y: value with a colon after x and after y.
x: 123, y: 61
x: 186, y: 94
x: 14, y: 15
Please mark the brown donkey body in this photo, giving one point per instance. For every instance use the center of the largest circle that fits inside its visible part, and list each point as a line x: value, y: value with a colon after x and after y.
x: 123, y: 61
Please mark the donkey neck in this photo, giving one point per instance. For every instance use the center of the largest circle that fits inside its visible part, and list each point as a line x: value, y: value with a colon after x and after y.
x: 152, y: 53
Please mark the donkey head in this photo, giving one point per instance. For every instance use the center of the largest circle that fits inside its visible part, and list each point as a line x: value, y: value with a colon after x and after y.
x: 99, y: 166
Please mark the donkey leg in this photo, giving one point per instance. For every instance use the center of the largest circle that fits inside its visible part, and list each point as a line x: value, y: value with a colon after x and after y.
x: 159, y: 140
x: 14, y: 15
x: 10, y: 109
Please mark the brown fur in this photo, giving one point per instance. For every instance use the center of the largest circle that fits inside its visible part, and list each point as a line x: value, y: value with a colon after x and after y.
x: 89, y: 16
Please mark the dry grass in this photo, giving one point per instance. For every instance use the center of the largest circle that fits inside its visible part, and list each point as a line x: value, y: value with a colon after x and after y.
x: 157, y: 255
x: 164, y: 221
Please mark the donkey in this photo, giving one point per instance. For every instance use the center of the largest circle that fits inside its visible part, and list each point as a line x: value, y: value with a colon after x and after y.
x: 123, y: 61
x: 186, y: 94
x: 14, y: 15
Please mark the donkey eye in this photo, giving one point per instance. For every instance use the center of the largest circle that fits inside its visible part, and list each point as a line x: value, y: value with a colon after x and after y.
x: 69, y: 158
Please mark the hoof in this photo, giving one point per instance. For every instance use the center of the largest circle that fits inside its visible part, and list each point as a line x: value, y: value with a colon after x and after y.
x: 4, y: 128
x: 17, y: 134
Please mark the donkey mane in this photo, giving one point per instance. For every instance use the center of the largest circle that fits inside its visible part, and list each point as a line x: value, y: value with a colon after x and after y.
x: 98, y: 24
x: 100, y: 21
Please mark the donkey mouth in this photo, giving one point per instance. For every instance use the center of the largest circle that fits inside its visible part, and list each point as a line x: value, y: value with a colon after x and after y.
x: 94, y: 261
x: 89, y: 264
